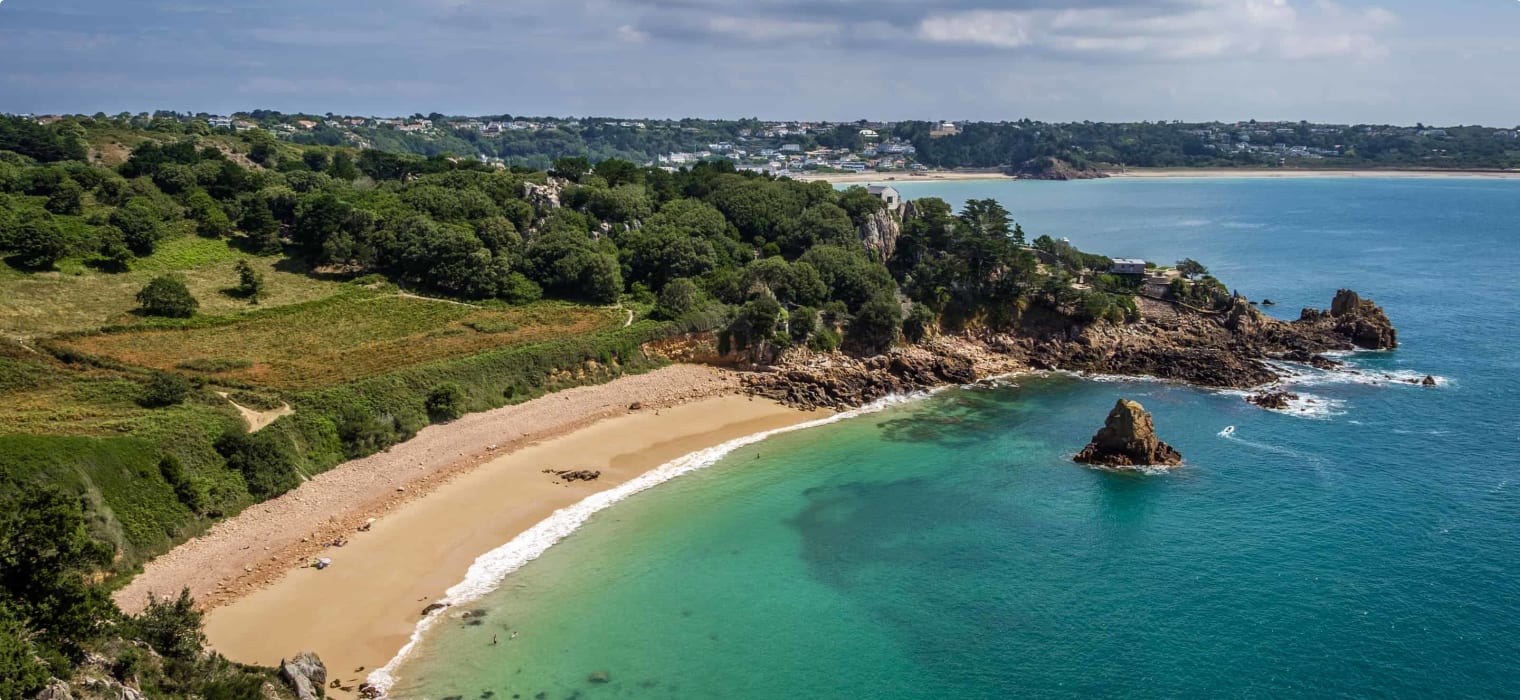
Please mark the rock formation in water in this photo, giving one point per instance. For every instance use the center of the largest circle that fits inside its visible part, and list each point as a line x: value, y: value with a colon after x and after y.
x: 1274, y: 400
x: 306, y: 675
x: 1128, y: 439
x: 1357, y: 319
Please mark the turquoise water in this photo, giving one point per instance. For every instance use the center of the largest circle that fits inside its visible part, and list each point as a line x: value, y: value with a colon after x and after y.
x: 1366, y: 547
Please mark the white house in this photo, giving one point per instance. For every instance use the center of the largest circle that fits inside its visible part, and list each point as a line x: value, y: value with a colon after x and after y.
x: 890, y: 195
x: 1128, y: 266
x: 869, y: 134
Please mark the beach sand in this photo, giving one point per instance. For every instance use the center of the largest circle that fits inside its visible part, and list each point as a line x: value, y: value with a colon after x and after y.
x: 1168, y: 173
x: 361, y: 610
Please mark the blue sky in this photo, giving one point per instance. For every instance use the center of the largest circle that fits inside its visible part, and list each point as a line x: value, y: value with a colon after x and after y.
x: 1400, y: 61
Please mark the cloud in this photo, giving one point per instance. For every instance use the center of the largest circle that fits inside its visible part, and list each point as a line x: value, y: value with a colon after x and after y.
x: 1204, y: 29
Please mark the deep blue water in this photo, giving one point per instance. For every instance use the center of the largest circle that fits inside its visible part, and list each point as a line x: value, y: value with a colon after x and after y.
x: 1367, y: 547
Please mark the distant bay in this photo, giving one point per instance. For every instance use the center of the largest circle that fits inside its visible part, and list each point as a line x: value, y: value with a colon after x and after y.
x: 1365, y: 546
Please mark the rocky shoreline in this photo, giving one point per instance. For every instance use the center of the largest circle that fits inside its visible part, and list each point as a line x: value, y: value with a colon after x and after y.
x: 1228, y: 349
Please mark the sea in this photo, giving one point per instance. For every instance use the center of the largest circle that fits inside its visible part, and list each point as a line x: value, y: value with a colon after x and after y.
x: 1364, y: 544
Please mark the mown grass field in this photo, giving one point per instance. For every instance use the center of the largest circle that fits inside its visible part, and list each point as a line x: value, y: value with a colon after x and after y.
x: 76, y: 297
x: 357, y: 334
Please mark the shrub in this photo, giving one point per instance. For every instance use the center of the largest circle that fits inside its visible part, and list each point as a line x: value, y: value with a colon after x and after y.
x: 171, y: 627
x: 516, y: 288
x: 679, y: 297
x: 167, y: 296
x: 140, y: 225
x: 250, y: 282
x: 165, y: 389
x: 21, y: 676
x: 445, y: 402
x: 185, y: 488
x: 266, y: 460
x: 38, y: 242
x: 919, y: 322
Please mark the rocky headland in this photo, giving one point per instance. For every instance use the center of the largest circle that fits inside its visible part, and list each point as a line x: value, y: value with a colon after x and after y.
x: 1232, y: 348
x: 1128, y: 439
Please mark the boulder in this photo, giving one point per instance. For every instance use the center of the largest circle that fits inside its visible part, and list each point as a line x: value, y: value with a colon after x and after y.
x: 1355, y: 319
x: 305, y: 674
x: 1128, y: 439
x: 1428, y: 381
x: 56, y: 690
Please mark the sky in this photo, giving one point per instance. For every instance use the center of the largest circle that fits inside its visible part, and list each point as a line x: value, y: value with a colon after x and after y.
x: 1438, y: 62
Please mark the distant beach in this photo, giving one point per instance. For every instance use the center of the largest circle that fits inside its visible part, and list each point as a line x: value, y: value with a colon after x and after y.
x: 265, y: 604
x: 1157, y: 173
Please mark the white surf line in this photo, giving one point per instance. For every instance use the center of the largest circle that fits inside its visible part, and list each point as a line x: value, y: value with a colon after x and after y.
x: 489, y: 569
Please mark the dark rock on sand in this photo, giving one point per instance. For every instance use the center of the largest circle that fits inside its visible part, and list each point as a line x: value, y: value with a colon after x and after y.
x: 1128, y: 439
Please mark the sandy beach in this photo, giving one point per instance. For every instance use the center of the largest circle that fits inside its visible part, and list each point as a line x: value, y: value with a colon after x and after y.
x: 1159, y: 173
x: 439, y: 501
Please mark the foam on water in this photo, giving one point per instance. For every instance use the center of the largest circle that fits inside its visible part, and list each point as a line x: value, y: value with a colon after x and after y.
x: 488, y: 571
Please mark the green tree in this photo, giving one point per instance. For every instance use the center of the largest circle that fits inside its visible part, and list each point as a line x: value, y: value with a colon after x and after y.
x: 250, y: 282
x: 167, y: 296
x: 571, y: 168
x: 46, y: 554
x: 445, y: 402
x: 1191, y: 269
x: 140, y: 225
x: 171, y: 627
x: 38, y: 242
x: 876, y: 324
x: 21, y: 675
x: 679, y: 297
x: 67, y: 198
x: 164, y: 389
x: 343, y: 168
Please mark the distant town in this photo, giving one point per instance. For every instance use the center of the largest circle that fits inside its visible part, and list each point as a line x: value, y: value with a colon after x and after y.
x: 797, y: 147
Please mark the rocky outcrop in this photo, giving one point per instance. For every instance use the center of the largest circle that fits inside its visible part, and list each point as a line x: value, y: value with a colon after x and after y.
x: 305, y: 674
x: 1358, y: 320
x: 837, y: 381
x: 1128, y: 439
x: 544, y: 198
x: 1051, y: 168
x: 56, y: 690
x: 879, y: 234
x: 1273, y: 400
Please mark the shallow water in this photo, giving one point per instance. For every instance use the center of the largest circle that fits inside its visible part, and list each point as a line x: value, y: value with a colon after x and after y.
x: 1365, y: 546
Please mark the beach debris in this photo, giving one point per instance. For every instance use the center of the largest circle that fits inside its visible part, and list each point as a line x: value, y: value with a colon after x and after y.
x: 341, y: 541
x: 367, y: 525
x: 1128, y: 439
x: 322, y: 563
x: 599, y: 677
x: 575, y: 474
x: 305, y: 674
x: 636, y: 406
x: 399, y: 489
x: 433, y: 607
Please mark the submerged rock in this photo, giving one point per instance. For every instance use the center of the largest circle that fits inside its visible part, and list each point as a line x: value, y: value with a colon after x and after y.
x: 305, y: 674
x: 599, y: 677
x: 1428, y: 381
x: 1128, y: 439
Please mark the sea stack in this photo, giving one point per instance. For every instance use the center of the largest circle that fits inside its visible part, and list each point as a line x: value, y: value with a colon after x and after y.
x: 1128, y: 439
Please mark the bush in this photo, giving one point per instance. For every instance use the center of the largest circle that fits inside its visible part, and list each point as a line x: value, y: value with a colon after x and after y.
x: 518, y: 289
x: 679, y: 297
x: 140, y: 225
x: 21, y: 676
x: 919, y: 323
x: 171, y: 627
x: 167, y: 296
x: 875, y: 327
x: 38, y: 242
x: 185, y: 488
x: 165, y: 389
x: 266, y: 460
x: 445, y: 402
x: 250, y: 282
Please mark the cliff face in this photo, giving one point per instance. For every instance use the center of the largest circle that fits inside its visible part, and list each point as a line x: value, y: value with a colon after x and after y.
x: 1128, y: 439
x: 880, y: 233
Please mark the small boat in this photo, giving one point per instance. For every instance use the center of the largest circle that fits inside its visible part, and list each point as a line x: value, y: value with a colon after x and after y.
x: 1228, y: 430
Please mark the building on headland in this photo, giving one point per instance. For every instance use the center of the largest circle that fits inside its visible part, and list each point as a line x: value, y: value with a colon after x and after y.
x: 1128, y: 266
x: 892, y: 197
x: 944, y: 129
